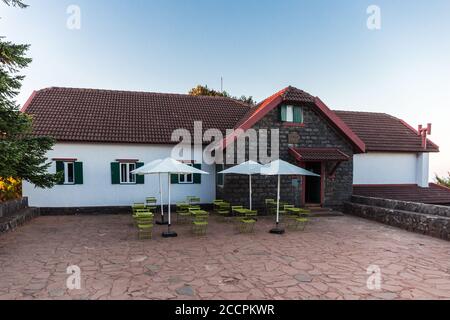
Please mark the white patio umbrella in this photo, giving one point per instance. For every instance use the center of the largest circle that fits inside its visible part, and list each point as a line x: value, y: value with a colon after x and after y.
x: 248, y: 168
x: 169, y: 166
x: 279, y: 168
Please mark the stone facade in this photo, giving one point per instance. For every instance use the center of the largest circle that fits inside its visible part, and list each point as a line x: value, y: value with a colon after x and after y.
x: 315, y: 133
x: 428, y: 220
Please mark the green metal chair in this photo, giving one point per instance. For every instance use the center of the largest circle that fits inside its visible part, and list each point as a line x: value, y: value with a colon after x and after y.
x: 144, y: 223
x: 216, y: 204
x: 224, y: 211
x: 150, y: 203
x: 251, y: 214
x: 193, y: 200
x: 137, y: 206
x: 194, y: 207
x: 298, y: 223
x: 200, y: 223
x: 183, y: 213
x: 246, y: 225
x: 233, y: 208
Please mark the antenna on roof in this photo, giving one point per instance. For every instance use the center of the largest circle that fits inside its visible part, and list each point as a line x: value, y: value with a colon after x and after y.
x: 221, y: 84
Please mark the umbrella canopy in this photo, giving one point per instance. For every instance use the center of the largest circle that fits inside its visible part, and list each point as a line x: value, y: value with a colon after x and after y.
x: 279, y: 168
x: 168, y: 166
x: 248, y: 168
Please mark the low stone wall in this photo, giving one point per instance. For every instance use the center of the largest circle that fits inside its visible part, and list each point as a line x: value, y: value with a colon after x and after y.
x: 11, y: 207
x: 101, y: 210
x: 404, y: 205
x: 18, y: 219
x: 429, y: 224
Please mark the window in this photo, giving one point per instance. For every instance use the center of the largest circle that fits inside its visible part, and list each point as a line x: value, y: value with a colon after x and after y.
x: 186, y: 178
x: 121, y: 173
x: 220, y: 176
x: 292, y: 114
x: 289, y: 114
x: 69, y: 173
x: 125, y: 173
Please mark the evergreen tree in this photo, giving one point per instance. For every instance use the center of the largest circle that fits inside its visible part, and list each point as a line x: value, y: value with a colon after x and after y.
x: 22, y: 156
x: 443, y: 181
x: 205, y: 91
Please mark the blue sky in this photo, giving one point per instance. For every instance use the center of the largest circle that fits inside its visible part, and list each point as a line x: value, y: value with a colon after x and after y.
x: 258, y: 47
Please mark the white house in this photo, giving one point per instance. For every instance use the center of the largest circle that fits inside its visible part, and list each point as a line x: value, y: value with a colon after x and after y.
x: 102, y: 135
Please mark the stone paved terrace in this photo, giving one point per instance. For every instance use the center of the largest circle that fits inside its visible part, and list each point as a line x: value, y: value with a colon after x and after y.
x: 327, y: 261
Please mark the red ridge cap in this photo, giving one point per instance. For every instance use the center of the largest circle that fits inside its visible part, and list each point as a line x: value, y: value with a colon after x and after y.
x: 28, y: 102
x: 264, y: 108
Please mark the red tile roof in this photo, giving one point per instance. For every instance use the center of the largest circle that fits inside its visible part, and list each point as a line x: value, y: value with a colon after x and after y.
x: 435, y: 194
x: 383, y: 132
x: 91, y: 115
x: 318, y: 154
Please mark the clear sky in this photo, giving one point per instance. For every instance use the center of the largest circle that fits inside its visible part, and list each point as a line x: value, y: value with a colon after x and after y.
x: 257, y: 46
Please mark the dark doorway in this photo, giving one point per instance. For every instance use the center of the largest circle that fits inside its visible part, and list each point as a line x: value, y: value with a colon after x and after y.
x: 313, y: 184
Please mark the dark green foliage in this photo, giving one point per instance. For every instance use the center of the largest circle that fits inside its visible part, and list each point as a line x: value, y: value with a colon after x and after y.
x: 21, y: 155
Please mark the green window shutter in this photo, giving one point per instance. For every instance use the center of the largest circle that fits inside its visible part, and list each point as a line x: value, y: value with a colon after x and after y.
x: 115, y: 173
x: 283, y: 113
x: 197, y: 176
x: 298, y: 115
x: 60, y: 168
x: 140, y: 178
x: 174, y: 179
x: 78, y: 172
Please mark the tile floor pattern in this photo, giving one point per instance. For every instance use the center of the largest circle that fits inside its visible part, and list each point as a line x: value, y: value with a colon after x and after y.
x: 327, y: 261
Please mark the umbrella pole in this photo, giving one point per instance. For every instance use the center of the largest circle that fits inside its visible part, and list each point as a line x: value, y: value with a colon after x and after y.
x: 250, y: 184
x: 277, y: 229
x: 162, y: 203
x: 169, y: 234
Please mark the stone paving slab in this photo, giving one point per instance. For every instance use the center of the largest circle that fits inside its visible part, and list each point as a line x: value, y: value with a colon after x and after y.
x: 328, y: 260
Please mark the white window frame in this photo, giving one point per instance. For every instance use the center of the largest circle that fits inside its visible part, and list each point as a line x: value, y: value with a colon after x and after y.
x: 129, y: 178
x: 186, y: 176
x: 289, y: 113
x: 66, y: 172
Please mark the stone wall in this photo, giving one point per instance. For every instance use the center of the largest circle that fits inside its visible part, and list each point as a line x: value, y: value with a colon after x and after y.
x: 316, y: 133
x: 389, y: 212
x: 431, y: 209
x: 15, y: 213
x: 9, y: 208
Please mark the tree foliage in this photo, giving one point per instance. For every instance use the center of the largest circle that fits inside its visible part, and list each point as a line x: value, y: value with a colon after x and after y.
x: 443, y: 181
x: 200, y: 90
x: 22, y: 156
x: 15, y: 3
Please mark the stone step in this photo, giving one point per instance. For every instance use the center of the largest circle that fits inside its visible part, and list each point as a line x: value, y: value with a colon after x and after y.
x: 11, y: 222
